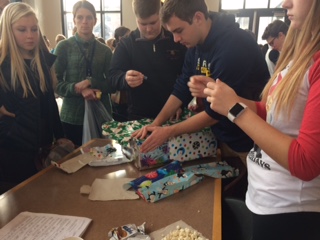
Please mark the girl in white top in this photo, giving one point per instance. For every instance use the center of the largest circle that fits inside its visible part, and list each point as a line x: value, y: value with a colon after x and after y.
x: 284, y: 165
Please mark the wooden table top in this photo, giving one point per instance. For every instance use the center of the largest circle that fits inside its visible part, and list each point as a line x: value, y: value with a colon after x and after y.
x: 54, y: 191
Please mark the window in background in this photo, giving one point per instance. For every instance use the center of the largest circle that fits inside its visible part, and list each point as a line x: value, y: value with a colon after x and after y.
x: 231, y: 4
x: 108, y: 17
x: 256, y: 4
x: 255, y: 15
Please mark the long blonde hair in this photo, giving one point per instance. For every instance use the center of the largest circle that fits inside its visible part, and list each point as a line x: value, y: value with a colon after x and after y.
x: 299, y: 47
x: 8, y: 47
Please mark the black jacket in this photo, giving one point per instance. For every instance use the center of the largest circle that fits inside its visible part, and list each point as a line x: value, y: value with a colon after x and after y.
x: 161, y: 60
x: 37, y: 120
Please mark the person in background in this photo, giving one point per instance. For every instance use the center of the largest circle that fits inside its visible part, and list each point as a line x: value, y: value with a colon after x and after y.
x: 119, y: 98
x: 275, y: 34
x: 57, y: 39
x: 82, y: 70
x: 217, y: 48
x: 147, y: 63
x: 29, y: 118
x: 47, y: 42
x: 109, y: 43
x: 101, y: 40
x: 119, y: 33
x: 3, y: 3
x: 284, y: 165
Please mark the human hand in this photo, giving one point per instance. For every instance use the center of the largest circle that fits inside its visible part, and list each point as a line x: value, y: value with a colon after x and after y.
x: 4, y: 112
x: 142, y: 133
x: 65, y: 142
x: 197, y: 84
x: 80, y: 86
x: 221, y: 97
x: 134, y: 78
x: 157, y: 137
x: 90, y: 94
x: 177, y: 115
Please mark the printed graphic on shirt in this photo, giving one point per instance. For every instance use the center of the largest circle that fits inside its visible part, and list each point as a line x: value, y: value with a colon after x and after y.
x: 205, y: 68
x: 255, y: 156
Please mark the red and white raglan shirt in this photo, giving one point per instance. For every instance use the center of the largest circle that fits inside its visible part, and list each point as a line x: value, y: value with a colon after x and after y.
x: 273, y: 189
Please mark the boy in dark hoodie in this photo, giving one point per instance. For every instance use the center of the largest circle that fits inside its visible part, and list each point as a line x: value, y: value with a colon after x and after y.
x: 218, y: 48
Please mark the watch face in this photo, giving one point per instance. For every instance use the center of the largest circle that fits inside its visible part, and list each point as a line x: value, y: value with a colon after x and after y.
x: 236, y: 109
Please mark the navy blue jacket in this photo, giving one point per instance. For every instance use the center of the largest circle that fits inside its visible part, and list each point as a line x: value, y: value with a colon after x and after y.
x: 230, y: 54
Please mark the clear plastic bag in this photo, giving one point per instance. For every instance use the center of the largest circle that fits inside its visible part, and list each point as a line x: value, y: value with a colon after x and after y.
x: 95, y: 115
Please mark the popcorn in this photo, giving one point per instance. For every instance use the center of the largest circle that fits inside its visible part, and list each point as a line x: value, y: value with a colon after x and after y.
x: 183, y: 234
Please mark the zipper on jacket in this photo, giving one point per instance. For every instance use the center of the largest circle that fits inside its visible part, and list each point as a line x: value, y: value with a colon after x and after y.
x: 154, y: 48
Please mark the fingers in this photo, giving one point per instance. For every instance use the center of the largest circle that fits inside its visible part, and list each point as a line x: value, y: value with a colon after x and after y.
x: 80, y: 86
x: 197, y: 84
x: 197, y: 79
x: 89, y: 94
x: 135, y: 78
x: 148, y: 145
x: 4, y: 112
x: 141, y: 133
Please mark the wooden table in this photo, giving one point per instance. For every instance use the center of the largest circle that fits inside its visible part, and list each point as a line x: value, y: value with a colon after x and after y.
x: 54, y: 191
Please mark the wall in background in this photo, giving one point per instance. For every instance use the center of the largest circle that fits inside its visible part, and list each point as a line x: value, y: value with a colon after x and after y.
x: 49, y: 14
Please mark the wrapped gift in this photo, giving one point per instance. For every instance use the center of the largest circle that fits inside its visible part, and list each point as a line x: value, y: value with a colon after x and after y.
x: 121, y: 132
x: 164, y: 182
x: 172, y: 178
x: 182, y: 148
x: 155, y: 158
x: 193, y: 146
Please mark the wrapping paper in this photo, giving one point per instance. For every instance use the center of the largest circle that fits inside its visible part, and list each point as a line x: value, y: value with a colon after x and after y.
x: 164, y: 182
x: 182, y: 148
x: 121, y: 132
x: 172, y: 178
x: 193, y: 146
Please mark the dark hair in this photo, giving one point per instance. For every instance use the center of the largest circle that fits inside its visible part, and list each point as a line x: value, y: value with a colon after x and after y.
x: 274, y: 28
x: 84, y: 4
x: 146, y: 8
x: 119, y: 33
x: 100, y: 39
x: 183, y: 9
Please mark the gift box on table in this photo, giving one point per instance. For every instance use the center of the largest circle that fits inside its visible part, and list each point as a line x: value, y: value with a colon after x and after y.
x: 121, y: 132
x: 164, y: 182
x: 182, y: 148
x: 172, y: 178
x: 193, y: 146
